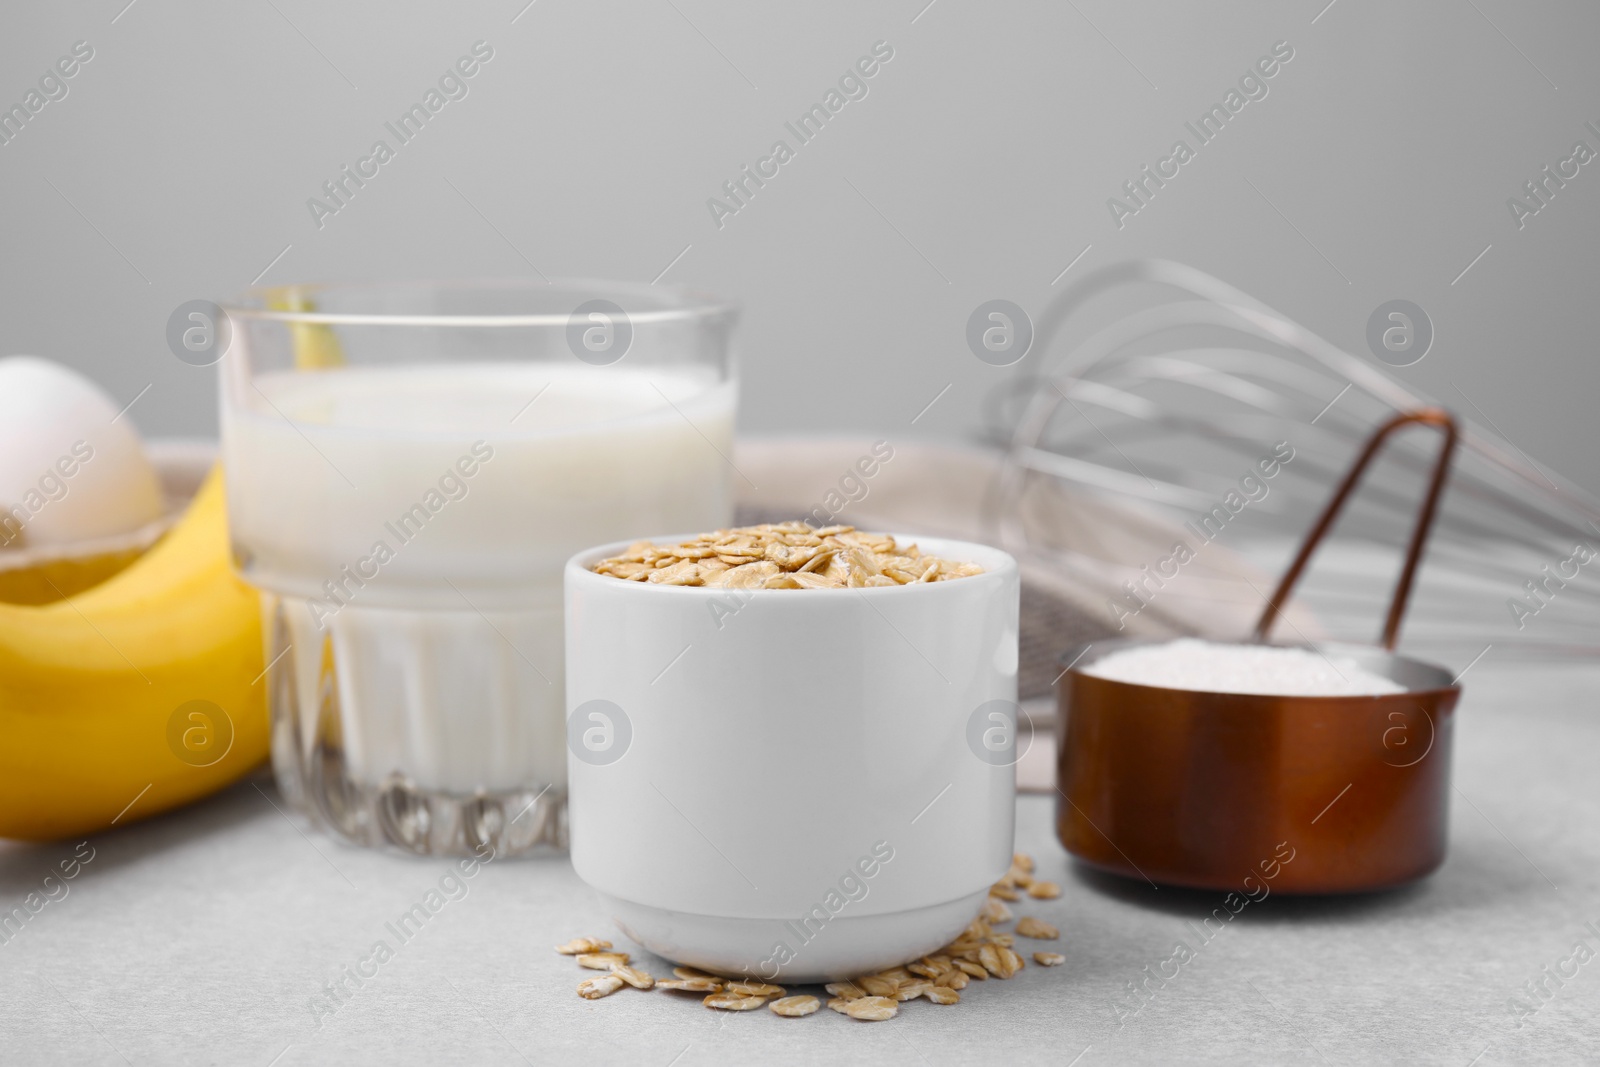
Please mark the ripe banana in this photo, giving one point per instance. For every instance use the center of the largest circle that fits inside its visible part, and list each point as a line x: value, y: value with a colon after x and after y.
x: 316, y: 346
x: 98, y: 713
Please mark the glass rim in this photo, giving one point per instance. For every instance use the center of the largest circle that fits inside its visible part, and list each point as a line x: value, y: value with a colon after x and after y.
x: 683, y: 304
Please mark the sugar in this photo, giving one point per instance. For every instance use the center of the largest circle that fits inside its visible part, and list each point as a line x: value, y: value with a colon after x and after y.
x: 1205, y: 666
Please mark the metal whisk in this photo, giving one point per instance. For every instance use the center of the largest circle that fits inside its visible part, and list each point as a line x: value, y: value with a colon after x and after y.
x: 1151, y: 421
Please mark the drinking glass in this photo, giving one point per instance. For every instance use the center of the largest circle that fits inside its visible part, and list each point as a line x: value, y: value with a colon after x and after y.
x: 408, y: 468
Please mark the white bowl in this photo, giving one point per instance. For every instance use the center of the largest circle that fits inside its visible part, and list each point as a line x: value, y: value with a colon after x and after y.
x: 804, y: 784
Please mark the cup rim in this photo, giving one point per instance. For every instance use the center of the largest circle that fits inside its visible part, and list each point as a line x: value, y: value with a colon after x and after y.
x: 664, y: 303
x: 998, y: 565
x: 1075, y: 659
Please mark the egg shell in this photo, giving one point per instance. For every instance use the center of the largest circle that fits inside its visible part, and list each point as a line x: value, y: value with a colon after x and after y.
x: 70, y: 468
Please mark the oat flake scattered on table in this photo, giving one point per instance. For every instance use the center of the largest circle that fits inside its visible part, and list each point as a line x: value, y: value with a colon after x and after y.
x: 977, y: 954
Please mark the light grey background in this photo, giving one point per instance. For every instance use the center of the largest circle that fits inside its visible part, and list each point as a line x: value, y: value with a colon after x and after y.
x: 978, y: 166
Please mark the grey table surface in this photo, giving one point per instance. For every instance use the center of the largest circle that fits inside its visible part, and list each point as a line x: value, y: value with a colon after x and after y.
x: 203, y: 936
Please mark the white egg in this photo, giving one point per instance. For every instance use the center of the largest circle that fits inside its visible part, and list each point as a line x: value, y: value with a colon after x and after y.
x: 67, y: 471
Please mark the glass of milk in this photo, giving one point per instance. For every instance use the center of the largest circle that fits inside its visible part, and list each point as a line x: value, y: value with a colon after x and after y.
x: 408, y: 468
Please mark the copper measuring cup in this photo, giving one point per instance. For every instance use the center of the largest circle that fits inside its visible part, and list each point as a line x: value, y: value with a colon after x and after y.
x: 1208, y: 789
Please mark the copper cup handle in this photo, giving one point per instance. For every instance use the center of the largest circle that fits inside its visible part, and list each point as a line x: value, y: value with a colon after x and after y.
x: 1436, y: 417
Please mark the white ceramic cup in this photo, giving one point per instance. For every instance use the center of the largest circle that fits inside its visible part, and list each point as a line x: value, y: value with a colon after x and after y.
x: 804, y: 784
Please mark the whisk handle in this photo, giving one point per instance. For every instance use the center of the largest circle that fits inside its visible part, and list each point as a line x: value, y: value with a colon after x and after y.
x: 1436, y: 417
